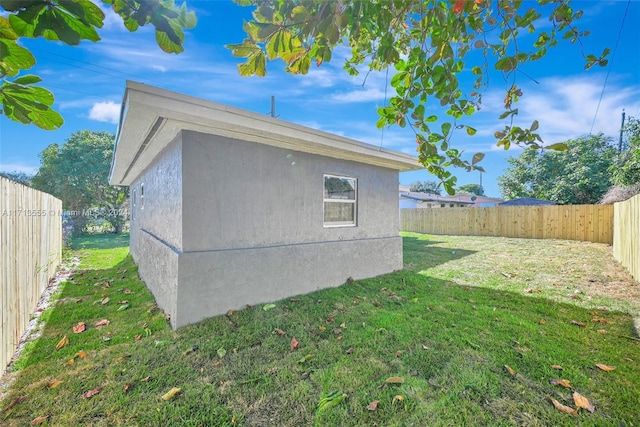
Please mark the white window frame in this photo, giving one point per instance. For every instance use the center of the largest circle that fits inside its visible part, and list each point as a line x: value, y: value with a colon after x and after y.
x: 134, y: 194
x: 354, y: 201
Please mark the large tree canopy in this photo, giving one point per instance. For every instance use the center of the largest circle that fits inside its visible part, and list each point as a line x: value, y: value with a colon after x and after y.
x: 580, y: 175
x: 78, y: 173
x: 430, y: 187
x: 430, y: 44
x: 472, y: 188
x: 627, y: 170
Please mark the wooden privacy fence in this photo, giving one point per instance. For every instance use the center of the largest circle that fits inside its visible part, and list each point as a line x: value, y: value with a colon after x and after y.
x: 626, y: 234
x: 31, y: 245
x: 592, y: 223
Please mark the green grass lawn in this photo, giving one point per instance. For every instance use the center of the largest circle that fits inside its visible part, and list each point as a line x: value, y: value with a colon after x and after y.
x: 471, y: 332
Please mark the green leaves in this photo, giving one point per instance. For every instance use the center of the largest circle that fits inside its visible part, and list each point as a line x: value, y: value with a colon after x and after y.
x: 71, y: 21
x: 14, y: 58
x: 427, y: 43
x: 27, y: 104
x: 65, y: 20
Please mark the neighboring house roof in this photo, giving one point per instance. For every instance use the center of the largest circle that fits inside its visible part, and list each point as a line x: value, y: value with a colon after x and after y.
x: 527, y: 201
x: 456, y: 198
x: 432, y: 198
x: 151, y: 118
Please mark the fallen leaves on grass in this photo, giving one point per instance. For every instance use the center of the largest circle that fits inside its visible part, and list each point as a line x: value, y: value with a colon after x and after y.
x: 16, y: 401
x: 128, y: 387
x: 305, y: 358
x: 39, y: 420
x: 123, y: 307
x: 280, y: 332
x: 397, y: 398
x: 349, y: 350
x: 171, y: 393
x: 294, y: 343
x: 582, y: 402
x: 221, y: 352
x: 560, y: 407
x: 542, y: 321
x: 331, y: 399
x: 581, y: 324
x: 558, y: 367
x: 394, y: 380
x: 510, y: 369
x: 602, y: 331
x: 127, y: 292
x: 373, y: 405
x: 89, y: 394
x: 605, y: 368
x: 80, y: 327
x: 64, y: 341
x: 102, y: 322
x: 599, y: 320
x: 54, y: 383
x: 268, y: 307
x: 81, y: 354
x: 563, y: 383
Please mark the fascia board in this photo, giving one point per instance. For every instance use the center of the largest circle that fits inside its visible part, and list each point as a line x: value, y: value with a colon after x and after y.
x: 146, y: 106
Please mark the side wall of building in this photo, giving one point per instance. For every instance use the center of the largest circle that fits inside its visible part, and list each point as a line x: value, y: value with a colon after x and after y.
x: 156, y: 225
x: 253, y: 225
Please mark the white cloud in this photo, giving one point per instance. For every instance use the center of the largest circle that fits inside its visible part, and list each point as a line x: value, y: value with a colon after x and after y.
x: 160, y: 68
x: 364, y: 94
x: 105, y: 112
x: 565, y: 108
x: 111, y: 19
x: 18, y: 167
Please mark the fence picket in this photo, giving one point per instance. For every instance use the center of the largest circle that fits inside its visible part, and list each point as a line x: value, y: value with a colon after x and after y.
x: 31, y: 245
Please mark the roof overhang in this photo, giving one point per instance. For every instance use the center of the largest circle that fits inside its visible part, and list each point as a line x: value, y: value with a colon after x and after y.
x: 150, y: 118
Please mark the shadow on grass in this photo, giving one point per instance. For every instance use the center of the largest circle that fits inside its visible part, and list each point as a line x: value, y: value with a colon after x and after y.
x: 448, y: 343
x: 100, y: 241
x: 115, y: 293
x: 419, y: 254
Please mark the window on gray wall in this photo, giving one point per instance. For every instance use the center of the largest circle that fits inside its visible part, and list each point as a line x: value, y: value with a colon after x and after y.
x: 340, y: 201
x: 142, y: 196
x: 134, y: 195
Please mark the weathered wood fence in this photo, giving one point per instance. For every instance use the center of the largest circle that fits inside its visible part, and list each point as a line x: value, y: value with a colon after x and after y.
x: 592, y: 223
x: 31, y: 245
x: 626, y: 234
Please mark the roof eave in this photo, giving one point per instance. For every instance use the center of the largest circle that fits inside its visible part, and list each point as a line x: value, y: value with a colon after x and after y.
x: 151, y: 118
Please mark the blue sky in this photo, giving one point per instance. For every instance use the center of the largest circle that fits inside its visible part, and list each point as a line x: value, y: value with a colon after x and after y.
x: 88, y: 82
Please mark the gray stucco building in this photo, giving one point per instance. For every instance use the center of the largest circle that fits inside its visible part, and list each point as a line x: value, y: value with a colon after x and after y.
x: 230, y: 208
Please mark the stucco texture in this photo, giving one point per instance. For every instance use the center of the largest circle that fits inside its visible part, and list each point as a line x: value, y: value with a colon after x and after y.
x: 228, y: 223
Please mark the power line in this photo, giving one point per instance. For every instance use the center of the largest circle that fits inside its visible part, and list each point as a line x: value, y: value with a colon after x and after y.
x: 122, y: 73
x: 613, y: 55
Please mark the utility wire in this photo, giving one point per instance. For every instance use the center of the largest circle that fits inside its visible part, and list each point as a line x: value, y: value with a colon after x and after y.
x: 122, y: 73
x: 613, y: 55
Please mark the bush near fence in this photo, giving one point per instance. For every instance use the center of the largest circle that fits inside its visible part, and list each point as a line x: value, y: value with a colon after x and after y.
x: 593, y: 223
x: 626, y: 235
x: 31, y: 247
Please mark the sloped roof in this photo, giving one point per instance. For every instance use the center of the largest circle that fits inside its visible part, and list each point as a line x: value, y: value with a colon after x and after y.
x: 151, y: 118
x: 424, y: 197
x: 527, y: 201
